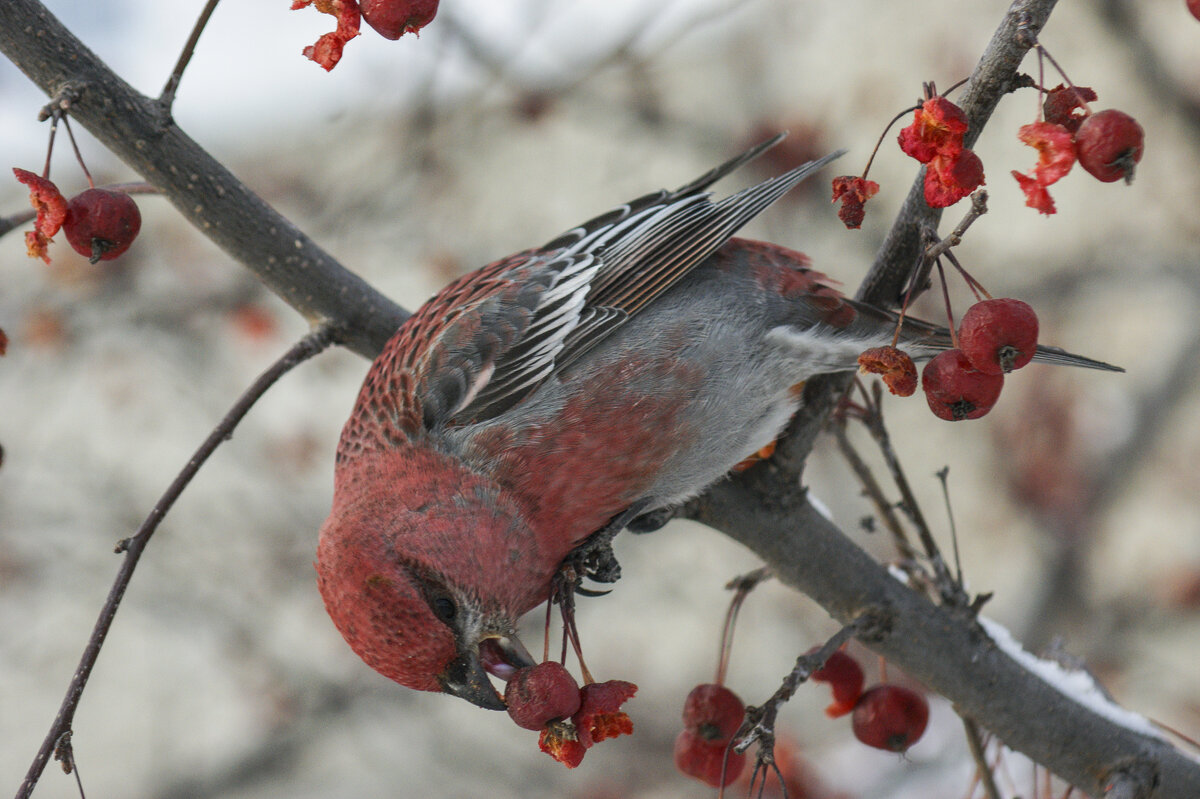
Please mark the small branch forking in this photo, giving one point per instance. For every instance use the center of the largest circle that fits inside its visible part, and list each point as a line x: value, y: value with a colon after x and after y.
x: 315, y: 342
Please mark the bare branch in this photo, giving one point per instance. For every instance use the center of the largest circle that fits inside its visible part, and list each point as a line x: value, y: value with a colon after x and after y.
x: 133, y: 546
x: 207, y: 194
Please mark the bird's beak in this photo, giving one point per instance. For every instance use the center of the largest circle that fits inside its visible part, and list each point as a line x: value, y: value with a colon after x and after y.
x: 467, y: 675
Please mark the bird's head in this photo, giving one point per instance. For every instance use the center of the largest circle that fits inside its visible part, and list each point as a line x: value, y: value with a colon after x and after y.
x: 424, y: 568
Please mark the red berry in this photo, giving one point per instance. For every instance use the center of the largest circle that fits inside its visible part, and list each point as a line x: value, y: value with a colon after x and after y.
x: 998, y: 335
x: 704, y: 760
x: 540, y: 694
x: 393, y: 18
x: 1108, y: 145
x: 101, y: 224
x: 713, y: 712
x: 1194, y: 7
x: 890, y: 717
x: 955, y: 390
x: 845, y: 678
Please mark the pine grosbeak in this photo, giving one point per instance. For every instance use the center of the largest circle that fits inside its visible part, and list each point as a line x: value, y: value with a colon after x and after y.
x: 630, y: 362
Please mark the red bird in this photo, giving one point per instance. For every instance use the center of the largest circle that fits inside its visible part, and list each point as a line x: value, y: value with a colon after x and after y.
x: 621, y: 368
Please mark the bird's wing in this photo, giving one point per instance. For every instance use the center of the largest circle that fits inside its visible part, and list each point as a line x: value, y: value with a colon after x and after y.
x: 488, y: 340
x: 606, y: 270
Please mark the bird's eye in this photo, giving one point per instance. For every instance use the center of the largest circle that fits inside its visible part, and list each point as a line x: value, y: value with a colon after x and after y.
x: 444, y: 608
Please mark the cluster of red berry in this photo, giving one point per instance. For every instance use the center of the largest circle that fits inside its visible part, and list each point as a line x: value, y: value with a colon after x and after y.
x: 391, y: 19
x: 1107, y: 144
x: 99, y: 223
x: 994, y: 337
x: 570, y: 719
x: 887, y: 716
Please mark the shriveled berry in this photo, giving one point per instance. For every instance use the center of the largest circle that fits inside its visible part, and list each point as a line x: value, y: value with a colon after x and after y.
x: 101, y: 224
x: 713, y: 712
x: 890, y: 717
x: 394, y: 18
x: 894, y: 366
x: 539, y: 694
x: 845, y: 678
x: 704, y: 760
x: 1065, y: 105
x: 955, y: 390
x: 1109, y: 143
x: 998, y: 335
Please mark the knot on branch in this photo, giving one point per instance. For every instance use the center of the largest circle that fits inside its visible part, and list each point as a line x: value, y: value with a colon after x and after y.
x: 1134, y: 778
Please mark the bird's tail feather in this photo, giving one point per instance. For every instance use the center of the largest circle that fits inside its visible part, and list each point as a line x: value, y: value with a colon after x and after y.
x: 926, y: 340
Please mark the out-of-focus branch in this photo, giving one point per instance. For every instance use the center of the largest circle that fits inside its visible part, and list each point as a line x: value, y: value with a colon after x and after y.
x: 137, y: 129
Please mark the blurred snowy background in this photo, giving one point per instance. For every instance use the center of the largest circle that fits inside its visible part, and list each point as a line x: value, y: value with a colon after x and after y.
x: 502, y: 125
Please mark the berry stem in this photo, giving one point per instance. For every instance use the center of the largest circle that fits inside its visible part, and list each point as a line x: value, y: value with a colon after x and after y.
x: 946, y: 300
x: 741, y: 586
x: 50, y: 147
x: 546, y: 634
x: 1043, y: 51
x: 1026, y: 33
x: 566, y: 606
x: 975, y: 285
x: 961, y: 82
x: 879, y: 142
x: 78, y: 155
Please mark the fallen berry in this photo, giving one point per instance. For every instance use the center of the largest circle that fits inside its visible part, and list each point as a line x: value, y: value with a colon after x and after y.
x: 845, y: 678
x: 101, y: 224
x: 705, y: 760
x: 540, y: 694
x: 890, y: 717
x: 998, y: 335
x: 955, y: 390
x: 713, y: 712
x: 1109, y: 143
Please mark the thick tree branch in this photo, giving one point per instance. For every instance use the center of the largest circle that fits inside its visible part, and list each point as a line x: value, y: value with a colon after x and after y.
x: 947, y: 650
x: 141, y: 133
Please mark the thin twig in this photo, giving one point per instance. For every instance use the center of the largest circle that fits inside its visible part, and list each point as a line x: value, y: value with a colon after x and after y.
x: 759, y: 725
x: 978, y: 208
x: 950, y: 590
x: 873, y: 491
x: 310, y: 345
x: 75, y: 146
x: 975, y: 743
x: 167, y: 98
